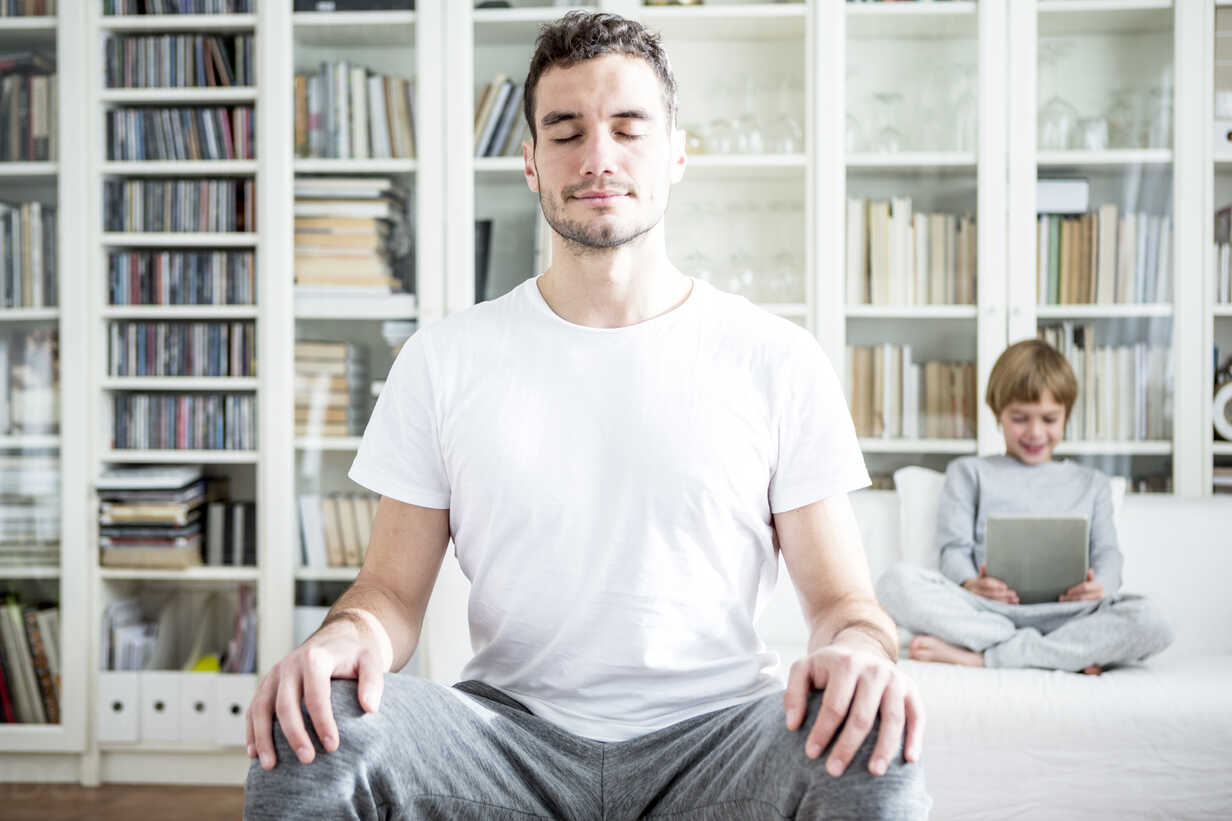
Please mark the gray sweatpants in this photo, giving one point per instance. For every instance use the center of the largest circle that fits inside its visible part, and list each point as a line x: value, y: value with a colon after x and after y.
x: 1051, y: 635
x: 471, y: 752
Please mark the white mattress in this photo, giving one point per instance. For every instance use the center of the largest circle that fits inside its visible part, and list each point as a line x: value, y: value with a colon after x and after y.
x: 1151, y: 741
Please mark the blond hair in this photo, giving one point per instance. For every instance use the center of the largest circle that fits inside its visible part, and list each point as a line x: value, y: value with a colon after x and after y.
x: 1025, y: 370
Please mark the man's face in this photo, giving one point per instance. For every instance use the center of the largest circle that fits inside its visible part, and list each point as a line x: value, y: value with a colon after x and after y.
x: 603, y: 161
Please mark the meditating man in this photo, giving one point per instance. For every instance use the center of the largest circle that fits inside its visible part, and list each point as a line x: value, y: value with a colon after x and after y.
x: 619, y: 452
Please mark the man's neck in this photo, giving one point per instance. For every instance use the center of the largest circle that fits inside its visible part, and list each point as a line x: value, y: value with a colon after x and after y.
x: 608, y: 292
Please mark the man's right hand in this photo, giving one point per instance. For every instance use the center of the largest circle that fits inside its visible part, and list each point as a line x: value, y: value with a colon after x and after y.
x: 990, y: 587
x: 339, y: 649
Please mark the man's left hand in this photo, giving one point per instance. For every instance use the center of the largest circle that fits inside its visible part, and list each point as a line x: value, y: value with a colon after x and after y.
x: 1089, y: 590
x: 859, y: 682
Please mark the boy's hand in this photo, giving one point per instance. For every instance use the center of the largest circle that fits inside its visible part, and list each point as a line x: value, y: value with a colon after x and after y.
x: 991, y: 588
x: 1089, y: 590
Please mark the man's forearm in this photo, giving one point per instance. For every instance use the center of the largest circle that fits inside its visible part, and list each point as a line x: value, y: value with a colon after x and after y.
x: 378, y: 615
x: 860, y: 620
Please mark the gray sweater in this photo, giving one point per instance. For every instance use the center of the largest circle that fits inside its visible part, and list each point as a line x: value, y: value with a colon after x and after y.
x: 976, y: 486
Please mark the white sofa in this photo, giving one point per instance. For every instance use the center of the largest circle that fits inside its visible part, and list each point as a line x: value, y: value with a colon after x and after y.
x: 1147, y: 741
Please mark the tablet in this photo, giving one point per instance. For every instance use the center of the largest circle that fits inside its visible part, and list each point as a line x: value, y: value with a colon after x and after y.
x: 1040, y: 557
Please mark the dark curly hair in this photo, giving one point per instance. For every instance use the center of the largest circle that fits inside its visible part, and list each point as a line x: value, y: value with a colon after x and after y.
x: 582, y: 35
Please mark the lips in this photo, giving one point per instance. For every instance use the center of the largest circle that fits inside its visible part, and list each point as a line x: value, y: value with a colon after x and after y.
x: 600, y: 195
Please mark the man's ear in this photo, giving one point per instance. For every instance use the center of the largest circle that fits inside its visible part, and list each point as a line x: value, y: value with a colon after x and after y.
x: 528, y: 166
x: 679, y: 160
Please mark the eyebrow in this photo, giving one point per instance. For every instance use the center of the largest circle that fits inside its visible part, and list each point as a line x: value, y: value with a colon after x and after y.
x: 554, y: 117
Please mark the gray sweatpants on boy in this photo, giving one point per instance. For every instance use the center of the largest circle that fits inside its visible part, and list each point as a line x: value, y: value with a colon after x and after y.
x: 1052, y: 635
x: 471, y: 752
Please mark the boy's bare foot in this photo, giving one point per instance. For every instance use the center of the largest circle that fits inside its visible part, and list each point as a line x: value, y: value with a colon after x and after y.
x: 931, y: 648
x: 1093, y: 670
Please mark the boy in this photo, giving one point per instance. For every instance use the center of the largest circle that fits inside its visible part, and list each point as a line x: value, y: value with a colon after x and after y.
x: 961, y: 615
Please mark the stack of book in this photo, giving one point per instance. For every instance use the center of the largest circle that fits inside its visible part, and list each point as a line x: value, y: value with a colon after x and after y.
x: 1103, y: 258
x: 344, y: 111
x: 1124, y: 391
x: 30, y: 381
x: 350, y: 235
x: 171, y: 421
x: 27, y: 255
x: 27, y: 8
x: 1222, y: 479
x: 28, y: 105
x: 222, y: 205
x: 29, y: 509
x: 181, y: 278
x: 893, y: 397
x: 896, y: 257
x: 331, y: 389
x: 196, y: 133
x: 30, y: 663
x: 182, y: 349
x: 1223, y: 251
x: 177, y: 6
x: 499, y: 128
x: 201, y: 630
x: 335, y: 528
x: 151, y: 517
x: 178, y: 61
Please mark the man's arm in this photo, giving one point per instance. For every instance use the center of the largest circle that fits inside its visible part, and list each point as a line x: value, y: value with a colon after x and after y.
x: 373, y: 627
x: 852, y: 641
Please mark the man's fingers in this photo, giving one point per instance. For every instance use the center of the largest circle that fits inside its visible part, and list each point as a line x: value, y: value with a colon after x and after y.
x: 795, y: 697
x: 371, y: 681
x: 316, y: 699
x: 290, y: 717
x: 893, y: 716
x: 261, y: 712
x: 860, y: 717
x: 835, y: 702
x: 914, y: 708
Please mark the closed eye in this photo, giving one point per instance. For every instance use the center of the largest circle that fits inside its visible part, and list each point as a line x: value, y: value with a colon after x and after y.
x: 619, y: 134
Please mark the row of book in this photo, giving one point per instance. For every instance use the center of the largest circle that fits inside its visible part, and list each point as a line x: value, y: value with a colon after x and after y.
x: 177, y: 6
x: 195, y: 133
x: 332, y: 388
x: 893, y: 397
x: 171, y: 421
x: 210, y: 205
x: 350, y: 233
x: 1221, y: 479
x: 344, y: 111
x: 335, y: 528
x: 172, y: 517
x: 179, y: 61
x: 181, y: 278
x: 29, y: 508
x: 27, y: 8
x: 899, y: 257
x: 29, y: 381
x: 29, y: 663
x: 1124, y: 391
x: 183, y: 349
x: 182, y: 629
x: 27, y: 255
x: 1103, y: 258
x: 28, y: 108
x: 499, y: 130
x: 1223, y: 273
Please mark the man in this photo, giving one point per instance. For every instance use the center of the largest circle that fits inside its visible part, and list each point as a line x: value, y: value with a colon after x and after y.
x: 619, y: 451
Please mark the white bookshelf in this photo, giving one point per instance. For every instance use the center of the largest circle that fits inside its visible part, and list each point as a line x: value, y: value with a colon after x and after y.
x: 178, y: 96
x: 173, y: 457
x: 28, y: 170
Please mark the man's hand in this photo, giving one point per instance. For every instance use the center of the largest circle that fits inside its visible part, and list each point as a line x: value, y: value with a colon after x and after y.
x: 859, y: 682
x: 991, y: 588
x: 340, y: 649
x: 1089, y: 590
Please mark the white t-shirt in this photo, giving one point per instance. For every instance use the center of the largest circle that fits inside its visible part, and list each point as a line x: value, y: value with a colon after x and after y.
x: 610, y: 493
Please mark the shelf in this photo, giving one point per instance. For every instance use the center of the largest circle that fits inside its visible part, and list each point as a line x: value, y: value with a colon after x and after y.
x: 1062, y: 17
x: 336, y: 443
x: 917, y: 163
x: 326, y: 166
x: 150, y: 312
x: 179, y: 383
x: 187, y: 96
x: 29, y: 441
x: 514, y: 27
x: 190, y: 457
x: 1102, y: 311
x: 1221, y: 448
x: 1097, y: 162
x: 181, y: 239
x: 785, y: 21
x: 898, y: 21
x: 911, y: 311
x: 29, y: 314
x: 394, y: 306
x: 179, y: 168
x: 1223, y: 160
x: 192, y: 574
x: 326, y: 574
x: 871, y: 444
x: 170, y: 747
x: 35, y: 572
x: 177, y: 22
x: 744, y: 166
x: 1152, y: 448
x: 355, y: 28
x: 28, y: 170
x: 26, y: 32
x: 1222, y: 310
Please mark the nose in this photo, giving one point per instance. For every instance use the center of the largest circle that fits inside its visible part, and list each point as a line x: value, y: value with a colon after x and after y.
x: 599, y: 154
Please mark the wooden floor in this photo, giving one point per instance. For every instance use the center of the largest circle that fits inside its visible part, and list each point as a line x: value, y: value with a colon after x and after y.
x: 119, y: 802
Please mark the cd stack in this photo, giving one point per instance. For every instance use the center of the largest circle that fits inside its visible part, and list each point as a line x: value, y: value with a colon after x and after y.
x: 151, y: 517
x: 331, y: 389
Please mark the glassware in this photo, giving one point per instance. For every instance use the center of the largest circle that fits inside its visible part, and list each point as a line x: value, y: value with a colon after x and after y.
x: 749, y: 128
x: 1058, y: 122
x: 783, y: 134
x: 889, y: 138
x: 965, y: 107
x: 1159, y: 118
x: 855, y: 135
x: 1093, y: 133
x: 1120, y: 117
